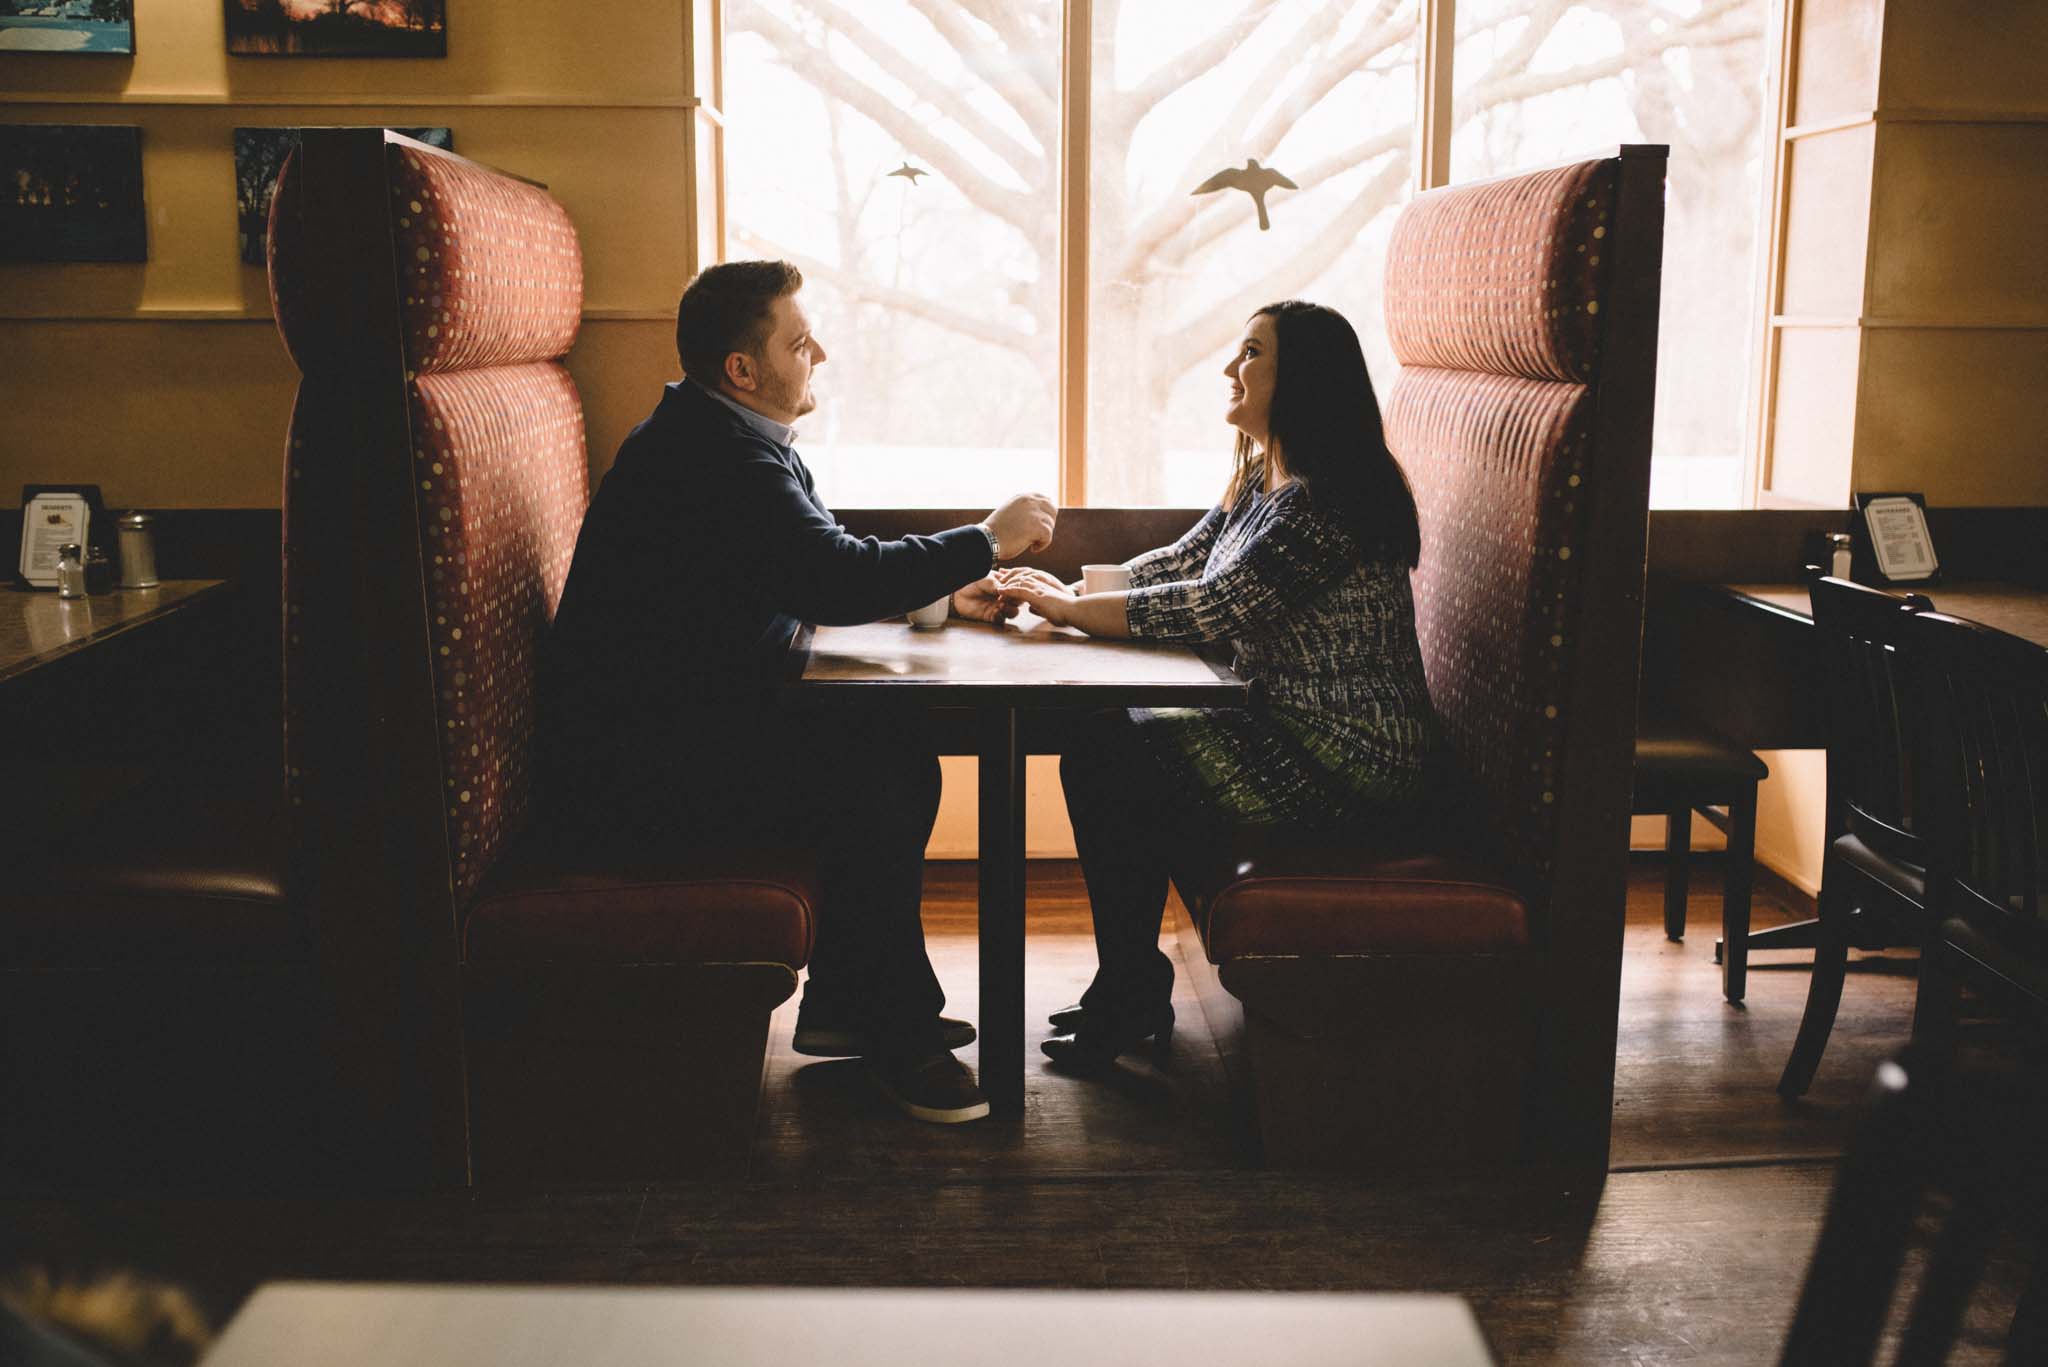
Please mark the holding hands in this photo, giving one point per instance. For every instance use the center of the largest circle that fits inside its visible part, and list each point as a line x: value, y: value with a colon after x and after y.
x: 982, y: 601
x: 1048, y: 597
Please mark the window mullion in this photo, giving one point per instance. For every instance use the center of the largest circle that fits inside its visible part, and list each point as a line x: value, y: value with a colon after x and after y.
x: 1438, y: 39
x: 1075, y: 89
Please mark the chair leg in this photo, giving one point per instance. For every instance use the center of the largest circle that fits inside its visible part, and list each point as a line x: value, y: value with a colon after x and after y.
x: 1823, y: 998
x: 1738, y: 883
x: 1937, y: 1002
x: 1677, y: 869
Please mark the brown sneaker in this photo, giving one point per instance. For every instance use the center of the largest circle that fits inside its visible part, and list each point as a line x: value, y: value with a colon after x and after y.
x: 935, y: 1087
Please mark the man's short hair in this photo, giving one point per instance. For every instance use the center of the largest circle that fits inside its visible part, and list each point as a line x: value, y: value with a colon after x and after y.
x: 725, y: 309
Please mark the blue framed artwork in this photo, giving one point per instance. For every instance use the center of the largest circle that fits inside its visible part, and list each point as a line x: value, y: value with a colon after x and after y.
x: 104, y: 27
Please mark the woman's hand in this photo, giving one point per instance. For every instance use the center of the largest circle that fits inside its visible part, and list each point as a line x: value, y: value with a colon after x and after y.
x: 1025, y: 577
x: 982, y: 601
x: 1044, y: 595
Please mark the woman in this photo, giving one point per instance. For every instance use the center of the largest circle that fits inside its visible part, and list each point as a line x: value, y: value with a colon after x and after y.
x: 1303, y: 569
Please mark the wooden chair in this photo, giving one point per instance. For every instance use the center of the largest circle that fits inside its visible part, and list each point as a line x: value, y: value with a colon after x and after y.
x: 1970, y: 1137
x: 1986, y: 785
x: 1874, y: 875
x: 1680, y: 769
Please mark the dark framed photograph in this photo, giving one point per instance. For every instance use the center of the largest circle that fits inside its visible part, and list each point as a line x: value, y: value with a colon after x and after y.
x: 73, y: 193
x: 259, y: 155
x: 94, y: 27
x: 337, y: 28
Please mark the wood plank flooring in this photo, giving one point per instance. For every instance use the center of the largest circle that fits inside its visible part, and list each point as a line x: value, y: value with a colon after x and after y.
x: 1692, y: 1253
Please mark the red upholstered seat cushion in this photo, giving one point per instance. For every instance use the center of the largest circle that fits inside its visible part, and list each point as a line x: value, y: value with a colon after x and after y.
x: 162, y: 878
x: 1322, y: 902
x: 724, y: 906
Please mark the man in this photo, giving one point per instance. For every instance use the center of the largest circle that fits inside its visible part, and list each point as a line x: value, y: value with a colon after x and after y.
x: 705, y: 546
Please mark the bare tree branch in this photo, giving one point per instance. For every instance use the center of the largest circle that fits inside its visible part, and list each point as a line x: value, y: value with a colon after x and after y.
x: 1029, y: 344
x: 811, y: 62
x: 1225, y: 143
x: 1526, y: 85
x: 993, y: 66
x: 948, y: 103
x: 1011, y: 23
x: 1186, y: 345
x: 1135, y: 104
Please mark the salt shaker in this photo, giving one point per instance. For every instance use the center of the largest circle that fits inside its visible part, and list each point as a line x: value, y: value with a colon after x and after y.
x: 1840, y: 554
x: 71, y: 570
x: 136, y: 532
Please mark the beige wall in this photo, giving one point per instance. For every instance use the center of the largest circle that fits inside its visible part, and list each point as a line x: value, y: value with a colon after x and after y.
x: 164, y: 381
x: 1908, y: 340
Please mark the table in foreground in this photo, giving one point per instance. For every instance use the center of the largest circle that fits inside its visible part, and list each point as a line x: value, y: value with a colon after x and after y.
x: 329, y: 1325
x: 37, y: 627
x: 999, y: 672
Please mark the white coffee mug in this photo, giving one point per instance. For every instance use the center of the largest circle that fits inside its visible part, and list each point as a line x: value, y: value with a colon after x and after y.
x: 1104, y: 578
x: 931, y: 616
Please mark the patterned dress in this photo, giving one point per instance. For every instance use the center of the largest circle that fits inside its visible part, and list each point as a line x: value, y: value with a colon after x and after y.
x: 1341, y: 720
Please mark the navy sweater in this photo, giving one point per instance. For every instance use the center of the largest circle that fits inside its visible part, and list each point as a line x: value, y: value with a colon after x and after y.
x: 704, y: 547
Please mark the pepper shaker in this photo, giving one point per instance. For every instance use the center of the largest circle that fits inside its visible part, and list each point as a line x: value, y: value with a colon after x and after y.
x: 136, y: 532
x: 71, y: 570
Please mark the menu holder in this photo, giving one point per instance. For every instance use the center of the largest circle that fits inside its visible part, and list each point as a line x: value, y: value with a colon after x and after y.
x: 1892, y: 537
x: 54, y: 515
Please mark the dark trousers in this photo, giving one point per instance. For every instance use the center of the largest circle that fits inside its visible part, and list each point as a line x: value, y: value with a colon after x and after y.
x: 858, y: 789
x: 1132, y: 828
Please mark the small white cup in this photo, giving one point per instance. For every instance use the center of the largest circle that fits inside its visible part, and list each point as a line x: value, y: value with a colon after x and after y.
x: 1104, y: 578
x: 931, y: 616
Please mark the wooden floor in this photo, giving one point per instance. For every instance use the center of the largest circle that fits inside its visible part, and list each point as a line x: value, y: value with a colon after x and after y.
x: 1692, y: 1253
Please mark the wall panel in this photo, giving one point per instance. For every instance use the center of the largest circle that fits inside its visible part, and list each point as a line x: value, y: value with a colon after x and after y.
x: 1958, y: 225
x: 164, y: 381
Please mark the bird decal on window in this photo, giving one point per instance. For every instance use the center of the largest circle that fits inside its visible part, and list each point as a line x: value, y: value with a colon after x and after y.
x: 1253, y: 179
x: 909, y: 172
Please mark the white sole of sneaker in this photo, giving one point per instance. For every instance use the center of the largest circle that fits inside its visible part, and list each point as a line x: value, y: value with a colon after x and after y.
x: 932, y: 1115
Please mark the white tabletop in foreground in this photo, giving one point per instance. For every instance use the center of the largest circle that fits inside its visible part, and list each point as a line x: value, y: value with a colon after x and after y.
x: 309, y: 1324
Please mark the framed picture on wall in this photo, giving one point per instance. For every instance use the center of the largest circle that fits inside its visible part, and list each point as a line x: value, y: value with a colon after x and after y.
x: 74, y: 193
x: 90, y: 27
x: 337, y: 28
x: 259, y: 155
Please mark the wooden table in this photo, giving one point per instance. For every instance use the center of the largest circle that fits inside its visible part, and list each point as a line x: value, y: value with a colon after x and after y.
x: 1741, y: 657
x: 37, y: 627
x: 341, y: 1325
x: 1001, y: 672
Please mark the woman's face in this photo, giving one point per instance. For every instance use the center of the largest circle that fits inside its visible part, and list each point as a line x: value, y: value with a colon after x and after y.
x: 1252, y: 371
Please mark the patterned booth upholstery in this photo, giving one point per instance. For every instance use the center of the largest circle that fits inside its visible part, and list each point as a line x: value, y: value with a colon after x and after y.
x: 596, y: 1022
x: 1453, y: 996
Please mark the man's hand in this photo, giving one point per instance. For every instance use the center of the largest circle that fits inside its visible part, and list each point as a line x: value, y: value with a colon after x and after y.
x: 1023, y: 525
x: 1025, y: 577
x: 982, y: 601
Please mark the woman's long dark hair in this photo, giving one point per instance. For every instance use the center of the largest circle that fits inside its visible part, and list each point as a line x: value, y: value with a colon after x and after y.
x: 1325, y: 426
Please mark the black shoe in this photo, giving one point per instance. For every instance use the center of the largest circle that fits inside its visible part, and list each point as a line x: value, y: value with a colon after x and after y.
x: 1094, y: 1049
x: 1070, y: 1020
x: 820, y: 1036
x: 936, y: 1087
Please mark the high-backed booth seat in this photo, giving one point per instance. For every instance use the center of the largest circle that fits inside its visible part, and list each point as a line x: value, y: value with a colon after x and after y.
x: 609, y: 1021
x: 391, y: 952
x: 1449, y: 992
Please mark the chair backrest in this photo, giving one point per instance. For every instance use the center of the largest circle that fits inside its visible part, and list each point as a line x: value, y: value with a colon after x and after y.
x: 435, y: 480
x: 1930, y: 1127
x: 1874, y: 732
x: 1985, y: 785
x: 1523, y: 312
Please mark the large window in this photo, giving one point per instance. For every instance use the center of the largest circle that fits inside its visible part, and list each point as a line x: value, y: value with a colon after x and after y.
x: 909, y: 155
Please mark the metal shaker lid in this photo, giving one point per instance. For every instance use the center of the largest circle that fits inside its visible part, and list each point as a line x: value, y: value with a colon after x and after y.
x: 134, y: 521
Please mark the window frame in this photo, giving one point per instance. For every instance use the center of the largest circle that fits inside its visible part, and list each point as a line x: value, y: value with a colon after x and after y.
x: 1436, y: 40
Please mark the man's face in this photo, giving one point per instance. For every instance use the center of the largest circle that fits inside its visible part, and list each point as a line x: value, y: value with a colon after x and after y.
x: 782, y: 368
